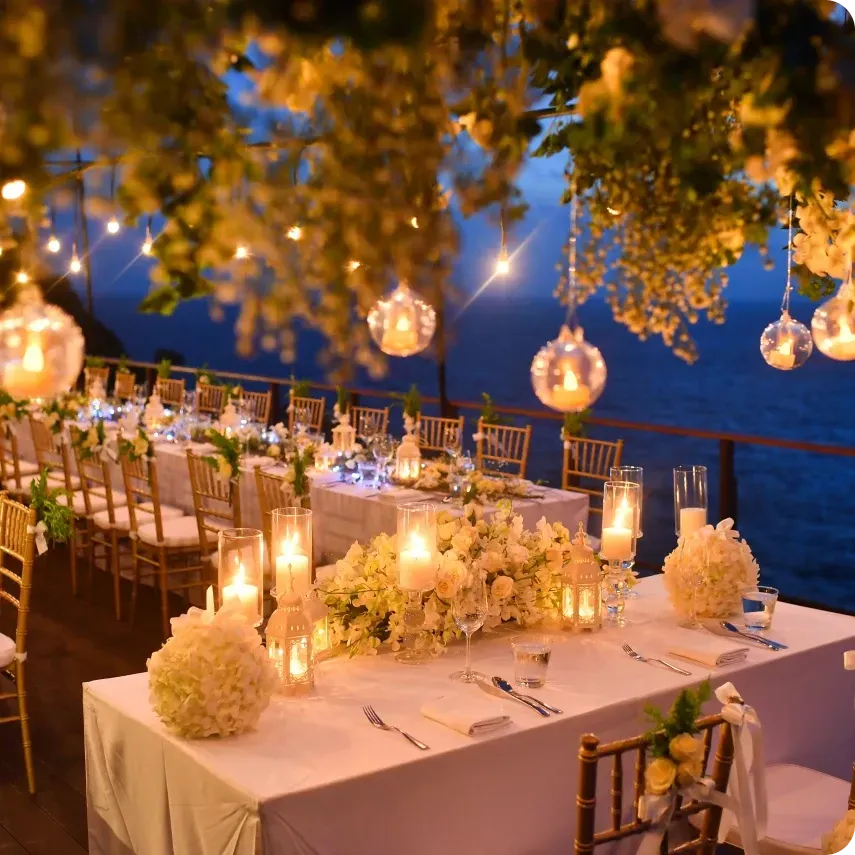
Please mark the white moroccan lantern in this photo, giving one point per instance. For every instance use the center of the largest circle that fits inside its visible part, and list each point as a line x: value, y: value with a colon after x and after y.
x: 402, y: 324
x: 41, y: 348
x: 568, y: 374
x: 289, y: 645
x: 408, y: 459
x: 343, y: 435
x: 581, y: 598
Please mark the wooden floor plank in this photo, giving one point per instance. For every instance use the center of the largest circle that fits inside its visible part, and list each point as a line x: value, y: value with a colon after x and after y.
x: 31, y: 827
x: 10, y: 846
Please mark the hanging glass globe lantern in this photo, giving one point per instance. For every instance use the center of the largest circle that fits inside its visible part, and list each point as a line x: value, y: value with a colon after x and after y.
x: 833, y: 324
x: 568, y: 374
x: 41, y: 348
x: 786, y: 344
x: 402, y: 324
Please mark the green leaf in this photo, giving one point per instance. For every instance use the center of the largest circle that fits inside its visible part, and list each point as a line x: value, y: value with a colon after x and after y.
x: 160, y: 301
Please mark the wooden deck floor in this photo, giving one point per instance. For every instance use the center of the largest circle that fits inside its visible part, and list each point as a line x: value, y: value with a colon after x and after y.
x: 70, y: 641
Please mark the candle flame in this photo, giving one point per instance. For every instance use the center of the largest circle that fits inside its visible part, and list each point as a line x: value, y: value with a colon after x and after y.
x: 786, y: 347
x: 846, y: 334
x: 239, y: 578
x: 622, y: 514
x: 417, y: 542
x: 290, y: 548
x: 298, y: 665
x: 571, y: 384
x: 402, y: 324
x: 34, y: 358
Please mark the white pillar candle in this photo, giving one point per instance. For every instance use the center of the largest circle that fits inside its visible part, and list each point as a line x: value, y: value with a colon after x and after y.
x: 571, y: 394
x: 691, y: 520
x: 616, y: 543
x: 417, y: 566
x: 242, y: 596
x: 783, y: 356
x: 292, y: 568
x: 209, y: 600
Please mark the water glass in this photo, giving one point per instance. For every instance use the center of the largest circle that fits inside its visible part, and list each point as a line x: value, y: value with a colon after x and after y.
x: 758, y: 607
x: 531, y: 660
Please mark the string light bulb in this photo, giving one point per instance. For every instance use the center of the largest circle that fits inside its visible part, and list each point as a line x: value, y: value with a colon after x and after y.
x: 148, y: 243
x: 53, y: 244
x: 414, y: 222
x: 22, y: 277
x: 503, y: 262
x: 113, y: 226
x: 74, y: 266
x: 353, y: 265
x: 786, y: 344
x: 241, y: 252
x: 295, y: 233
x: 13, y: 190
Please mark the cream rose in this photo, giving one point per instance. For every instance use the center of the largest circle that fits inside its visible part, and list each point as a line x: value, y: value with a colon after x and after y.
x: 686, y: 747
x: 502, y: 587
x: 659, y: 776
x: 446, y: 586
x: 273, y: 451
x: 689, y: 771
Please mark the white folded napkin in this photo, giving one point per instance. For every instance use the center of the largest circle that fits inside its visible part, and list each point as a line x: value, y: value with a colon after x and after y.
x: 708, y: 650
x: 400, y: 494
x: 467, y: 715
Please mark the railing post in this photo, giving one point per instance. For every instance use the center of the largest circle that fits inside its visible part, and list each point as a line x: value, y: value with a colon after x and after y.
x: 275, y: 404
x: 728, y: 494
x: 150, y: 379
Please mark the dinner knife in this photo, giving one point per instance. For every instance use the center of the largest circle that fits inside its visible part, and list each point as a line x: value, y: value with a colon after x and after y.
x: 492, y: 689
x: 501, y: 683
x: 505, y: 686
x: 766, y: 642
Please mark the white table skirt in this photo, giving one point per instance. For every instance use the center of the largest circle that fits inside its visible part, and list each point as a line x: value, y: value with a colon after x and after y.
x: 317, y: 779
x: 344, y: 513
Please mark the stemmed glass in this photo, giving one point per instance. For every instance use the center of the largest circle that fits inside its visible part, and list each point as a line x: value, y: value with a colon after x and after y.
x: 383, y: 447
x: 469, y: 610
x: 451, y: 442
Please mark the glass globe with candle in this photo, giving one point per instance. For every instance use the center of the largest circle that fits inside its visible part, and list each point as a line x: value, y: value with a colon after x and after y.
x: 241, y: 572
x: 41, y: 347
x: 417, y: 568
x: 833, y: 324
x: 291, y: 534
x: 617, y: 542
x: 786, y: 344
x: 402, y: 324
x: 690, y: 499
x: 568, y: 374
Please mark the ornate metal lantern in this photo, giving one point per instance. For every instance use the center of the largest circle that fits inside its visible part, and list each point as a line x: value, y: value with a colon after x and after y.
x: 408, y: 460
x: 581, y: 598
x: 289, y: 646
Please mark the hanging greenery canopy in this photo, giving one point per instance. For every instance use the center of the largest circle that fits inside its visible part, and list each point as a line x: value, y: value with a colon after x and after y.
x: 307, y: 156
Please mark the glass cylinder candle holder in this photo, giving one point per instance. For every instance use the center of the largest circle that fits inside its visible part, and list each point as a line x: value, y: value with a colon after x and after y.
x: 417, y: 569
x: 289, y: 636
x: 241, y: 572
x: 620, y: 520
x: 690, y: 499
x: 291, y: 533
x: 635, y: 475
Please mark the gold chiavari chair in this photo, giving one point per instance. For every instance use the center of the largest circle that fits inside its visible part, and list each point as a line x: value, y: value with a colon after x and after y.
x: 100, y: 504
x: 216, y: 502
x: 52, y: 454
x: 308, y: 412
x: 502, y: 445
x: 170, y: 390
x: 12, y: 467
x: 630, y: 824
x: 124, y: 385
x: 210, y: 399
x: 164, y: 543
x: 257, y: 405
x: 270, y: 497
x: 17, y: 524
x: 586, y: 467
x: 92, y: 375
x: 435, y: 431
x: 369, y: 421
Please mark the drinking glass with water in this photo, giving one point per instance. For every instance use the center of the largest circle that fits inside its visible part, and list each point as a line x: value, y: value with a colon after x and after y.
x: 531, y: 660
x: 758, y: 607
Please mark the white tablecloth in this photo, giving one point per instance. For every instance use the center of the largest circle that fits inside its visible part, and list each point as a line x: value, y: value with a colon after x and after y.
x: 343, y: 513
x: 317, y: 779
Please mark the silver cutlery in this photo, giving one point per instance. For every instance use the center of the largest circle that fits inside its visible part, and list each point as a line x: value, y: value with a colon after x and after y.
x: 375, y: 719
x: 506, y: 687
x: 648, y: 659
x: 501, y: 684
x: 759, y: 639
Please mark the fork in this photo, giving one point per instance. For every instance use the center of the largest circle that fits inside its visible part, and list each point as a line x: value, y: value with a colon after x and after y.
x: 375, y: 719
x: 630, y: 652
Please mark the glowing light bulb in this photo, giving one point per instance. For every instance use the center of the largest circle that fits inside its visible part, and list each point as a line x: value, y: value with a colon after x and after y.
x: 241, y: 252
x: 13, y: 189
x: 353, y: 265
x: 613, y: 211
x: 53, y: 244
x: 113, y: 226
x: 74, y: 266
x: 414, y: 222
x: 22, y: 277
x: 34, y: 358
x: 148, y: 243
x: 295, y: 233
x: 503, y: 262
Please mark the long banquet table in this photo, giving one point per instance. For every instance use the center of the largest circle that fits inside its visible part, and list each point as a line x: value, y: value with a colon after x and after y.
x: 316, y: 779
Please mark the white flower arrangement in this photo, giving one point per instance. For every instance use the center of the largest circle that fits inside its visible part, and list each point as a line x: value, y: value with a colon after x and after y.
x: 720, y: 563
x: 522, y: 570
x: 840, y: 836
x: 274, y: 451
x: 436, y: 475
x: 212, y: 677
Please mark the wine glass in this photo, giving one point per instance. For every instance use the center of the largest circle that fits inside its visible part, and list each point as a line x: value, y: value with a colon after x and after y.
x: 383, y: 447
x: 469, y: 610
x: 451, y: 442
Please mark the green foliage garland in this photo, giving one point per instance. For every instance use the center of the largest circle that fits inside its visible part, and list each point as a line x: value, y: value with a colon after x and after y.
x: 58, y: 518
x: 681, y: 718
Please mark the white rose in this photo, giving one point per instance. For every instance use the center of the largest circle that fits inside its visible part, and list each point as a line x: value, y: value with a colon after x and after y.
x: 446, y: 586
x: 273, y: 451
x: 502, y: 587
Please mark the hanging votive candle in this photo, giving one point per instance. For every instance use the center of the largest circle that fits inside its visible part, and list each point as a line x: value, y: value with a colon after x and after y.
x: 690, y: 499
x: 289, y: 645
x: 291, y: 532
x: 241, y: 572
x: 833, y: 323
x: 581, y: 598
x: 402, y: 324
x: 620, y: 515
x: 408, y: 460
x: 319, y: 616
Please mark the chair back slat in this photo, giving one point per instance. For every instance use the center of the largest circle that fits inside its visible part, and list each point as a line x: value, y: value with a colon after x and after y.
x: 306, y: 411
x: 17, y: 541
x: 586, y: 467
x: 503, y: 446
x: 51, y: 451
x: 142, y: 493
x: 591, y: 752
x: 210, y: 399
x: 170, y: 390
x: 852, y: 790
x: 124, y: 385
x: 270, y: 497
x: 92, y: 375
x: 95, y: 483
x: 257, y: 405
x: 434, y: 432
x: 369, y: 421
x: 216, y: 501
x: 10, y: 459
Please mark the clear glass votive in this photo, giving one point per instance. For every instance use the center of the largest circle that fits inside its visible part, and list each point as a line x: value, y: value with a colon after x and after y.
x: 690, y: 499
x: 758, y: 607
x: 531, y: 660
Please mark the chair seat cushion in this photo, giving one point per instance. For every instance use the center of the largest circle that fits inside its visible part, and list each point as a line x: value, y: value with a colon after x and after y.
x: 25, y: 467
x: 54, y: 481
x: 123, y: 518
x: 98, y: 503
x: 177, y: 531
x: 59, y: 481
x: 7, y: 650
